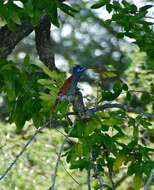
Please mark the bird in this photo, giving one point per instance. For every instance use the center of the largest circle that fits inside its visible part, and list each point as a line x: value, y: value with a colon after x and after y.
x: 70, y: 85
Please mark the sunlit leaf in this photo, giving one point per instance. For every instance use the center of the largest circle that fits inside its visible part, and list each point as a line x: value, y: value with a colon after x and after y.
x: 137, y: 182
x: 81, y: 164
x: 118, y: 162
x: 99, y: 4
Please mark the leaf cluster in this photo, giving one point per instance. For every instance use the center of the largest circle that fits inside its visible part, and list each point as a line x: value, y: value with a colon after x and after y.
x: 27, y: 90
x: 133, y: 22
x: 14, y: 14
x: 113, y: 141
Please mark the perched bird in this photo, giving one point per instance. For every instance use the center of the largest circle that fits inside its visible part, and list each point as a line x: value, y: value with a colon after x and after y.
x: 70, y: 84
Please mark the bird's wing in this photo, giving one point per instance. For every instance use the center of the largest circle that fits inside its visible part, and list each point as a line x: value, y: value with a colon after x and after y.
x: 64, y: 89
x: 67, y: 84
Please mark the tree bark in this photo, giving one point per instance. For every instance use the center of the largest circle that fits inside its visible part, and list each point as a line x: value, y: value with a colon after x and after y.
x: 43, y: 42
x: 10, y: 38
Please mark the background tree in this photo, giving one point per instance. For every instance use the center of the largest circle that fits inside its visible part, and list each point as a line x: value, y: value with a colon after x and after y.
x: 113, y: 146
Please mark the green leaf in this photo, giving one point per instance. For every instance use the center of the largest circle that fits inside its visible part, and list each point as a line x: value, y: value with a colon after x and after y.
x: 133, y: 8
x: 125, y: 86
x: 108, y: 141
x: 37, y: 119
x: 151, y: 131
x: 44, y: 68
x: 117, y: 86
x: 93, y: 124
x: 78, y: 149
x: 131, y: 122
x: 139, y: 16
x: 9, y: 85
x: 109, y: 7
x: 99, y: 4
x: 62, y: 107
x: 11, y: 25
x: 6, y: 67
x: 125, y: 3
x: 107, y: 96
x: 52, y: 74
x: 67, y: 9
x: 27, y: 106
x: 121, y: 133
x: 29, y: 8
x: 78, y: 129
x: 52, y: 10
x: 131, y: 145
x: 17, y: 114
x: 133, y: 168
x: 146, y: 98
x: 4, y: 12
x: 47, y: 97
x: 135, y: 132
x: 26, y: 60
x: 144, y: 122
x: 36, y: 17
x: 119, y: 161
x: 81, y: 164
x: 144, y: 8
x: 113, y: 121
x: 152, y: 88
x: 128, y: 96
x: 120, y: 35
x: 15, y: 17
x: 105, y: 128
x: 47, y: 101
x: 45, y: 82
x: 137, y: 182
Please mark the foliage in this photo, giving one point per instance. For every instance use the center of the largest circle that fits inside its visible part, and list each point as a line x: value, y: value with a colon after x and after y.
x: 132, y: 21
x: 109, y: 142
x: 13, y: 14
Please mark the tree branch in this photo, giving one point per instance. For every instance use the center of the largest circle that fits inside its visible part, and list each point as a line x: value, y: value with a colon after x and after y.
x: 93, y: 156
x: 123, y: 107
x: 111, y: 179
x: 43, y: 42
x: 149, y: 180
x: 97, y: 175
x: 89, y: 112
x: 9, y: 39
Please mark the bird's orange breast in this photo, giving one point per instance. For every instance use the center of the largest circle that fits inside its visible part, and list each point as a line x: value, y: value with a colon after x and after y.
x: 67, y: 84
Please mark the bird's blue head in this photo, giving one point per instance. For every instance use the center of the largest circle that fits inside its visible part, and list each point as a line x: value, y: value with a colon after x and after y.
x: 78, y: 69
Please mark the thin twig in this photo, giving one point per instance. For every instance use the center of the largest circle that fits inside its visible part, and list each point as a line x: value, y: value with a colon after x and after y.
x: 61, y: 132
x: 97, y: 175
x: 149, y: 180
x: 110, y: 179
x: 64, y: 165
x: 58, y: 160
x: 70, y: 174
x: 88, y: 178
x: 23, y: 150
x: 149, y: 17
